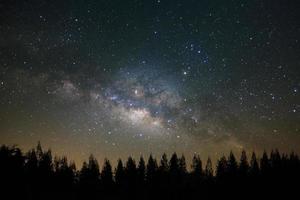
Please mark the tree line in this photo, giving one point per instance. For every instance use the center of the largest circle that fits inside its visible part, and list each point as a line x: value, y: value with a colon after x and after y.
x: 37, y: 175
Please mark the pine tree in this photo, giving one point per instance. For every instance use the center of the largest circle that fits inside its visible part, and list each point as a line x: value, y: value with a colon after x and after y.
x: 39, y: 150
x: 31, y: 163
x: 106, y: 174
x: 90, y: 179
x: 232, y: 166
x: 119, y: 173
x: 265, y: 165
x: 254, y: 168
x: 131, y: 171
x: 151, y: 169
x: 174, y: 164
x: 93, y: 167
x: 141, y: 170
x: 197, y: 166
x: 182, y: 164
x: 275, y: 160
x: 222, y: 168
x: 244, y: 165
x: 175, y: 173
x: 164, y: 166
x: 64, y: 175
x: 209, y: 169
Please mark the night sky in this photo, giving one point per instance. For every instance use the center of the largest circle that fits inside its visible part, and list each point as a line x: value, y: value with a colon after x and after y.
x: 129, y: 77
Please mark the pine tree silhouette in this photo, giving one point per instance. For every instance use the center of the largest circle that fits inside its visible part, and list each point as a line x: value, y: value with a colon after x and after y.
x: 35, y: 175
x: 209, y: 169
x: 90, y: 179
x: 119, y: 173
x: 164, y: 165
x: 174, y: 165
x: 265, y: 164
x: 254, y: 168
x: 151, y: 172
x: 244, y: 165
x: 106, y: 174
x: 141, y: 171
x: 232, y: 166
x: 197, y: 166
x: 131, y: 174
x: 222, y: 168
x: 107, y: 183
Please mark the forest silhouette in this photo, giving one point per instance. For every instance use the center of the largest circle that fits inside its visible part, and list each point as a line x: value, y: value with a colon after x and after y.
x: 36, y: 175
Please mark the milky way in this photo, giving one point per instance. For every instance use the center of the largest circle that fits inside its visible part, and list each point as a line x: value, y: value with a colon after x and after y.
x: 119, y: 78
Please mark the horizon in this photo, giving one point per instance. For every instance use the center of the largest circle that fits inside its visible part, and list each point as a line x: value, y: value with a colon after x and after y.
x: 214, y: 159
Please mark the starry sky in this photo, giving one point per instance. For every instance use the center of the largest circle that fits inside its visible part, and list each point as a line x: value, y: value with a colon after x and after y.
x: 129, y: 77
